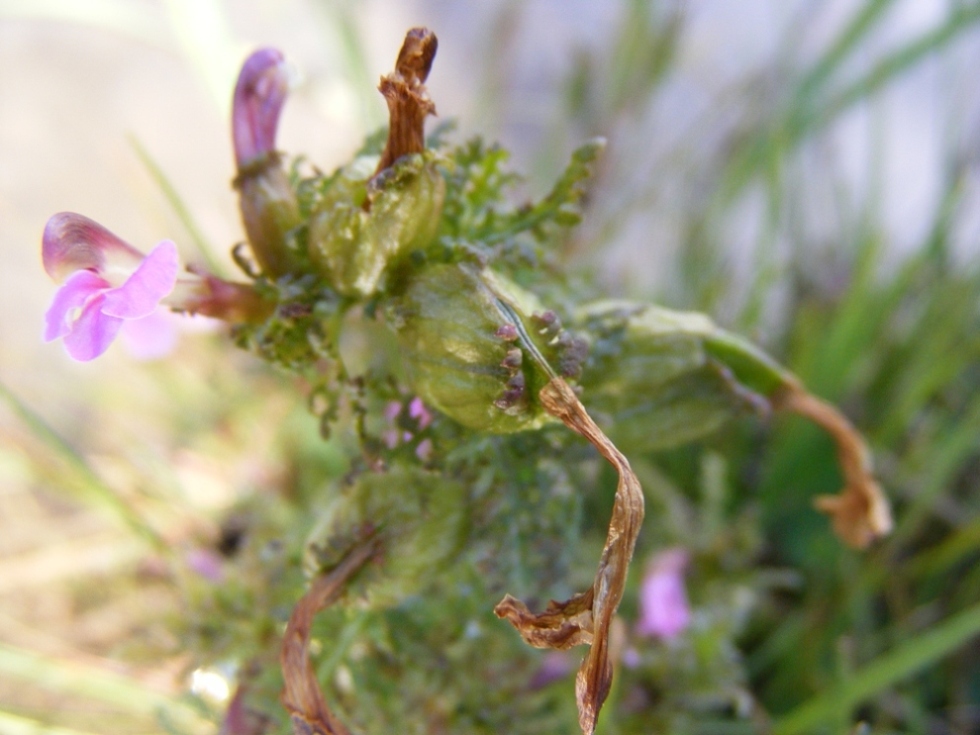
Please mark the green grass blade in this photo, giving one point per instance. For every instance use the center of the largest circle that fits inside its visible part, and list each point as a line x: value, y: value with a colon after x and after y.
x: 177, y: 204
x: 895, y: 64
x: 888, y: 669
x: 93, y: 683
x: 104, y: 495
x: 856, y: 31
x: 16, y: 725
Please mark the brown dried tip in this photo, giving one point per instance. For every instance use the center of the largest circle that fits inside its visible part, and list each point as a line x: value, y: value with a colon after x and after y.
x: 408, y: 101
x: 587, y: 617
x: 301, y: 694
x: 860, y: 513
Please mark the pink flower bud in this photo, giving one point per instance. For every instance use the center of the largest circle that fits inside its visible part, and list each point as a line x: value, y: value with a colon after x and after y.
x: 259, y: 97
x: 270, y: 210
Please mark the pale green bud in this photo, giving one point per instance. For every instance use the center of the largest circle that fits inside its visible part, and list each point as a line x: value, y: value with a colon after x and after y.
x: 418, y: 521
x: 658, y: 378
x: 362, y: 225
x: 478, y: 347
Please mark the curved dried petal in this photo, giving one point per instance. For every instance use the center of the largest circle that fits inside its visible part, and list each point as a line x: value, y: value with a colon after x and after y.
x: 71, y: 296
x: 92, y: 332
x: 72, y: 242
x: 259, y: 97
x: 150, y: 282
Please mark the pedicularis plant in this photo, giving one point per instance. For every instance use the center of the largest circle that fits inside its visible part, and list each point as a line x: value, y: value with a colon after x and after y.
x: 491, y: 353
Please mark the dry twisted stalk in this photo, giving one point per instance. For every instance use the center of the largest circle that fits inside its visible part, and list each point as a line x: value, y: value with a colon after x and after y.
x: 587, y: 617
x: 301, y: 694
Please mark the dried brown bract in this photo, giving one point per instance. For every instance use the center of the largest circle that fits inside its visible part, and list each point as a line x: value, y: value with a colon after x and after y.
x: 587, y: 617
x: 301, y: 694
x: 860, y: 513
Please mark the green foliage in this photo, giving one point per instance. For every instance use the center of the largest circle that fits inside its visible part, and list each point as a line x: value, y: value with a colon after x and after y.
x: 791, y: 632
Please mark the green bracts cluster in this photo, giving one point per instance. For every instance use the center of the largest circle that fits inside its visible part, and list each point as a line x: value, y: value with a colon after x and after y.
x: 657, y: 378
x: 419, y: 520
x: 363, y: 225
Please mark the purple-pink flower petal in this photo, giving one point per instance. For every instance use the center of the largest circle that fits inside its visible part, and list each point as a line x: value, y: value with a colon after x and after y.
x: 72, y: 242
x: 259, y: 97
x: 151, y: 337
x: 140, y: 295
x: 78, y: 289
x: 92, y: 332
x: 418, y: 411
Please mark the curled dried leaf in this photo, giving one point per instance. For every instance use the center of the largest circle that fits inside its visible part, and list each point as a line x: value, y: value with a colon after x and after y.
x: 860, y: 513
x: 301, y: 695
x: 587, y: 617
x: 408, y: 102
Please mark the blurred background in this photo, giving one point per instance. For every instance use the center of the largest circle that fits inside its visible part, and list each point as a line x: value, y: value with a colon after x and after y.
x: 804, y: 171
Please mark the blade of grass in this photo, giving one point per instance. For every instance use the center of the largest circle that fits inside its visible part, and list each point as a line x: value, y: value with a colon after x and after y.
x: 885, y: 671
x: 15, y: 725
x: 850, y: 38
x: 81, y: 469
x: 800, y: 119
x: 961, y: 19
x: 103, y: 686
x: 177, y: 204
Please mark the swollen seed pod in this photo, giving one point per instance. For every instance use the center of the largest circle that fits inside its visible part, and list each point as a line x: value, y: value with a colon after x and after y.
x: 474, y: 347
x: 657, y: 378
x: 417, y: 521
x: 362, y: 226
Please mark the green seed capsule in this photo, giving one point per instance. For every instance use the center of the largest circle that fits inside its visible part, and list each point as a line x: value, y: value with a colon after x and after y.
x: 473, y: 348
x: 270, y: 214
x: 418, y: 520
x: 361, y: 226
x: 659, y: 378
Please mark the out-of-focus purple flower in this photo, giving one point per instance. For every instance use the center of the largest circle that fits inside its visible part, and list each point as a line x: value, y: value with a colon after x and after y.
x: 424, y: 450
x: 259, y: 97
x: 107, y: 283
x: 206, y: 563
x: 664, y: 610
x: 418, y: 411
x: 555, y: 666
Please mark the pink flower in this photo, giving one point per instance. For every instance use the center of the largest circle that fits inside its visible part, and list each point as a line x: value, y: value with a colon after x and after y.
x: 108, y: 284
x: 418, y: 411
x: 664, y: 611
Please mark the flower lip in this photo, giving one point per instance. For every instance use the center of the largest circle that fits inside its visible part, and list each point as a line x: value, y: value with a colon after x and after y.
x: 72, y: 242
x: 259, y: 96
x: 88, y: 312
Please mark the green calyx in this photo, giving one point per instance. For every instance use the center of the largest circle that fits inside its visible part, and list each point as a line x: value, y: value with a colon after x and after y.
x: 271, y: 215
x: 476, y: 346
x: 362, y: 226
x: 660, y: 378
x: 417, y: 521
